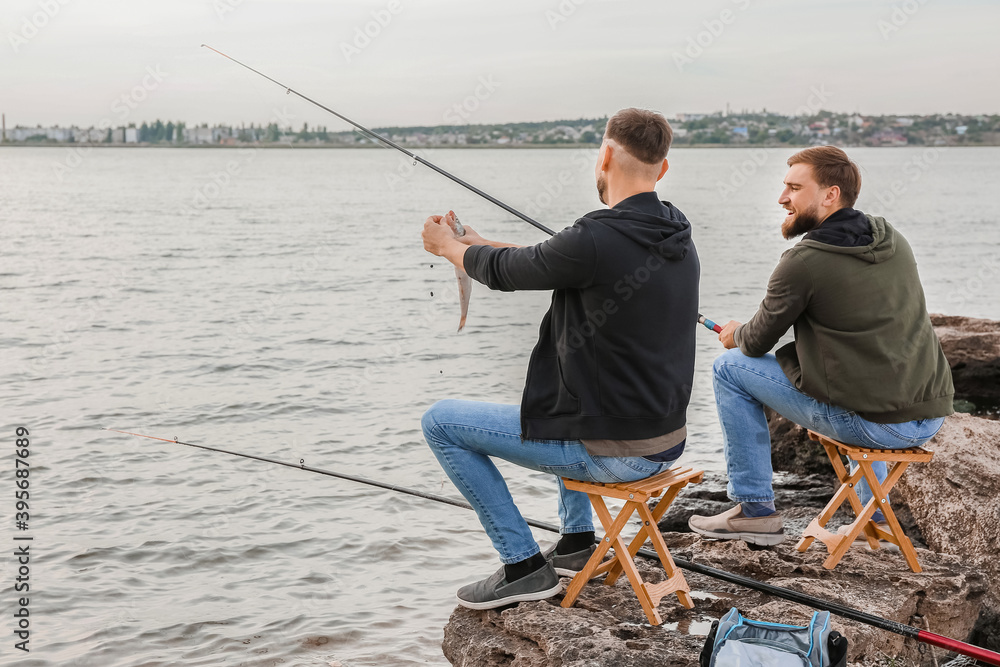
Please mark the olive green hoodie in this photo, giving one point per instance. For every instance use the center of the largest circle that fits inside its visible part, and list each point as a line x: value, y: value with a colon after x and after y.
x: 863, y: 339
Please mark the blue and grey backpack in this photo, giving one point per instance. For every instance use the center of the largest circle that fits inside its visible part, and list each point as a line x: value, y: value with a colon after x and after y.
x: 735, y: 641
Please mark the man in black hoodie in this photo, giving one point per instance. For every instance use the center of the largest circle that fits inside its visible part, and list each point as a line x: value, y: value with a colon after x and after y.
x: 609, y: 380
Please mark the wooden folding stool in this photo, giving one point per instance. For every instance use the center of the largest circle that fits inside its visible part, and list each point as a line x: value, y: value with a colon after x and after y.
x: 635, y: 495
x: 837, y: 545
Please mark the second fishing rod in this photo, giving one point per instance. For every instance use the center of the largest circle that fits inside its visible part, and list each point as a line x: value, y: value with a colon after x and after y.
x: 908, y: 631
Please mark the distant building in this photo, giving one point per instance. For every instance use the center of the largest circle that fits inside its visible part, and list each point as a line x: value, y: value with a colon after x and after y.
x: 91, y: 135
x: 889, y: 138
x: 57, y: 133
x: 22, y: 133
x: 131, y: 135
x: 961, y: 129
x: 904, y: 122
x: 198, y: 135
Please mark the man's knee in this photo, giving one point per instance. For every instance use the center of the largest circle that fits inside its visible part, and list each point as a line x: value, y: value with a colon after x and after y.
x: 726, y: 359
x: 437, y: 414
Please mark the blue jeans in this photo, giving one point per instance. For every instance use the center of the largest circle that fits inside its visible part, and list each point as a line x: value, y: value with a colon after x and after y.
x: 464, y: 435
x: 744, y: 385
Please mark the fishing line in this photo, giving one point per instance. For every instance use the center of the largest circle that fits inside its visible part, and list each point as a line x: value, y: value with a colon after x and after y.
x: 953, y: 645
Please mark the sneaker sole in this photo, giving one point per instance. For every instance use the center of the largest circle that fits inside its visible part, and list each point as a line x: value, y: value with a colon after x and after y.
x: 563, y: 572
x: 511, y: 599
x: 762, y: 539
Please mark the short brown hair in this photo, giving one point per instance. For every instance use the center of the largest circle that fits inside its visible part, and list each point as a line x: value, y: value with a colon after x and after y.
x: 645, y: 134
x: 831, y: 166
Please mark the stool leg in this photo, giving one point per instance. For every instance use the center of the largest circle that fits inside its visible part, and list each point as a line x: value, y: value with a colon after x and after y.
x: 816, y: 528
x: 880, y: 496
x: 675, y: 583
x: 847, y: 540
x: 621, y: 552
x: 611, y: 530
x: 869, y: 528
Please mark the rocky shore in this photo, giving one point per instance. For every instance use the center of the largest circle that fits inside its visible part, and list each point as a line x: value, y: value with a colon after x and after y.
x: 950, y: 508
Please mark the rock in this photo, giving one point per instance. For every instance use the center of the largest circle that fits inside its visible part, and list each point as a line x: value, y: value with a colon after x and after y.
x: 972, y: 347
x: 955, y: 499
x: 607, y: 626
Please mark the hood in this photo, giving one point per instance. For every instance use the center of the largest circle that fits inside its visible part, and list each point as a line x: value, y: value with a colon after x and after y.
x: 653, y: 224
x: 875, y: 247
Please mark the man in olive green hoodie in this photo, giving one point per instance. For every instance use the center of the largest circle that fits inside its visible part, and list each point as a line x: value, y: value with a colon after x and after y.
x: 866, y: 367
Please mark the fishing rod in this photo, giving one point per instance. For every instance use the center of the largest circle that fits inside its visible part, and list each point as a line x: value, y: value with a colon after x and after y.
x: 709, y: 324
x: 385, y: 141
x: 909, y: 631
x: 392, y: 144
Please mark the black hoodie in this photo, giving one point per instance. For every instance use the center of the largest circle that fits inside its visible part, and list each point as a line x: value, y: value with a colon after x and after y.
x: 615, y: 351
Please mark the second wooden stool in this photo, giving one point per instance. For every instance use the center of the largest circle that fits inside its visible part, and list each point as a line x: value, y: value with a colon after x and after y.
x: 837, y: 544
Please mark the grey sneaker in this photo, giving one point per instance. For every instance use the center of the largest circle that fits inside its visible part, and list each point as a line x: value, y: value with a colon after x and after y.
x: 568, y: 565
x: 732, y: 525
x: 494, y: 591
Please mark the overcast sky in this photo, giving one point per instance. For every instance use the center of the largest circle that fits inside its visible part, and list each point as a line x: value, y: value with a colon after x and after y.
x: 86, y: 61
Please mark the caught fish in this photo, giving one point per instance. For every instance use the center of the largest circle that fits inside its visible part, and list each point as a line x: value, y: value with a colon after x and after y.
x: 464, y: 281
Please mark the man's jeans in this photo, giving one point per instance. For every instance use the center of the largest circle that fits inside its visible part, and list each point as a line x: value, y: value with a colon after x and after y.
x: 464, y: 435
x: 743, y: 385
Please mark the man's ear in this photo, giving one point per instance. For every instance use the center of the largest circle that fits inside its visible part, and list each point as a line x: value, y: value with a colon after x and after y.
x: 604, y: 160
x: 832, y: 196
x: 663, y: 169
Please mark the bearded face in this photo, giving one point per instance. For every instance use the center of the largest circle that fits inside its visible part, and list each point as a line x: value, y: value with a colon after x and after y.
x: 797, y: 223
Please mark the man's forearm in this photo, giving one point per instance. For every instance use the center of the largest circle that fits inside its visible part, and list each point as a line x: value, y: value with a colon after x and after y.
x: 454, y: 252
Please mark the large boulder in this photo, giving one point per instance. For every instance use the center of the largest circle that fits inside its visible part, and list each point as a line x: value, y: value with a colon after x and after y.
x: 607, y: 626
x: 972, y: 347
x: 955, y: 500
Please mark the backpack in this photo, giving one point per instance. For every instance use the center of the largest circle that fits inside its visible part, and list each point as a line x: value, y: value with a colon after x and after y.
x: 735, y: 641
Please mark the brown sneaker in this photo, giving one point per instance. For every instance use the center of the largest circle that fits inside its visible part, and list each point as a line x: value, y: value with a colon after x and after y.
x: 732, y: 525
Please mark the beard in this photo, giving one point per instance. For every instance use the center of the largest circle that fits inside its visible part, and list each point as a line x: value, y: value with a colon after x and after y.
x: 602, y: 188
x: 802, y: 223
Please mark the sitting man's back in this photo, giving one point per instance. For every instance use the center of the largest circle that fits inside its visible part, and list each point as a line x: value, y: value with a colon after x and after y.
x: 609, y: 380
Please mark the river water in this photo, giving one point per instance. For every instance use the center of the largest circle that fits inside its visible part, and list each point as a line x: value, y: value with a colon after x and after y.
x: 279, y: 303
